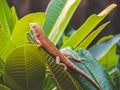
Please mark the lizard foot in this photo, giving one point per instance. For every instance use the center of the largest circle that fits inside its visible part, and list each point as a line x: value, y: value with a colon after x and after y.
x: 61, y: 64
x: 73, y: 57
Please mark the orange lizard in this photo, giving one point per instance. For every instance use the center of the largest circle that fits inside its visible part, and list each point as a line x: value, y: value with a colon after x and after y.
x: 60, y: 57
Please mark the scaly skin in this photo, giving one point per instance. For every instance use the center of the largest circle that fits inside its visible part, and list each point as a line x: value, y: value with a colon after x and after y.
x: 52, y: 50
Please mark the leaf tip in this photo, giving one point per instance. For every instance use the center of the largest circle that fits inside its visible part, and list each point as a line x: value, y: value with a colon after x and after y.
x: 107, y: 10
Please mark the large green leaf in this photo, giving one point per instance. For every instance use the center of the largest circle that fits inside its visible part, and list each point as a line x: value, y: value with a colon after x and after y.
x: 63, y: 80
x: 59, y: 15
x: 6, y: 18
x: 25, y: 68
x: 52, y: 13
x: 3, y: 87
x: 22, y: 27
x: 87, y: 27
x: 105, y: 51
x: 92, y: 36
x: 7, y: 23
x: 92, y: 68
x: 6, y: 44
x: 56, y: 78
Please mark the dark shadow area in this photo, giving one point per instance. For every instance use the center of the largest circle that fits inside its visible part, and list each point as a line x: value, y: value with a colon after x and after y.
x: 84, y: 10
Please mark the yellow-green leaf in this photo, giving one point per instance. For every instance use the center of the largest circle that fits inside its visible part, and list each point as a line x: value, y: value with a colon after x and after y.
x: 6, y: 44
x: 92, y: 36
x: 22, y: 27
x: 87, y: 27
x: 3, y: 87
x: 6, y: 18
x: 25, y: 68
x: 58, y: 16
x: 14, y: 13
x: 105, y: 51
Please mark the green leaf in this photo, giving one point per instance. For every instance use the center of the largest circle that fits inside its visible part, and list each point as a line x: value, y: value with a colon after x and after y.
x: 3, y: 87
x: 63, y: 80
x: 22, y: 27
x: 83, y: 31
x: 6, y: 44
x: 14, y: 14
x: 105, y: 38
x: 67, y: 33
x: 52, y: 13
x: 1, y: 70
x: 6, y: 18
x: 92, y: 67
x: 117, y: 76
x: 1, y: 66
x: 105, y: 52
x: 92, y: 36
x: 60, y: 22
x: 113, y: 71
x: 87, y: 27
x: 25, y: 68
x: 30, y: 39
x: 49, y: 83
x: 69, y: 30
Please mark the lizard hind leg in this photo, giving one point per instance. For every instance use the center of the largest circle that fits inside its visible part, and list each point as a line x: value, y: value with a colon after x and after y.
x: 60, y: 64
x: 73, y: 57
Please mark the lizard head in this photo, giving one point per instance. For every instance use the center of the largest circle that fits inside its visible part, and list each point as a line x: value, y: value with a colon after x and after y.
x: 37, y: 30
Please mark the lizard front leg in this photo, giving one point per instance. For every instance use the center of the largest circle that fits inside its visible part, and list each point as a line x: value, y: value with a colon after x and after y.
x: 73, y: 57
x: 61, y: 64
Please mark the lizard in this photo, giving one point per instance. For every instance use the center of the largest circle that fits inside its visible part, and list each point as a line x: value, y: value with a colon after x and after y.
x: 61, y: 59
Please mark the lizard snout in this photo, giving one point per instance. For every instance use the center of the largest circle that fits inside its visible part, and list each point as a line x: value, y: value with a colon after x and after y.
x: 33, y: 25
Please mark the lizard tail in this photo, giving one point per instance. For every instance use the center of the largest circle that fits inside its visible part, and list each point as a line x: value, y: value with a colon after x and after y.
x: 86, y: 76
